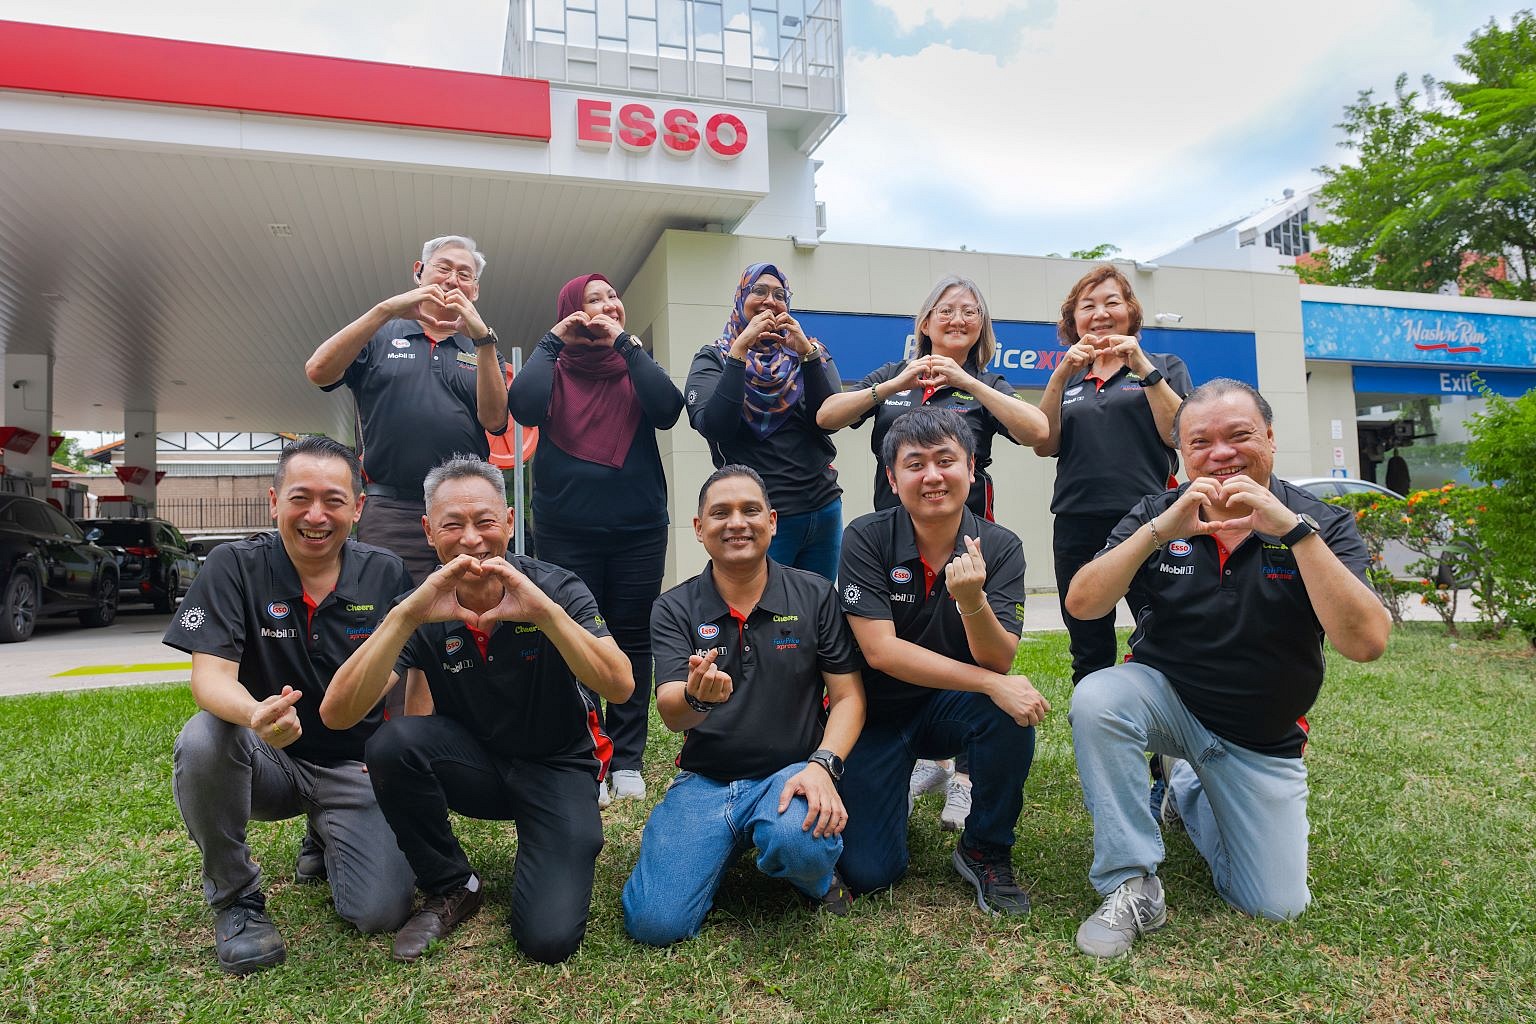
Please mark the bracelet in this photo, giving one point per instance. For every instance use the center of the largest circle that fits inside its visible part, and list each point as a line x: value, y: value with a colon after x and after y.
x: 703, y: 707
x: 1157, y: 544
x: 973, y: 611
x: 874, y: 393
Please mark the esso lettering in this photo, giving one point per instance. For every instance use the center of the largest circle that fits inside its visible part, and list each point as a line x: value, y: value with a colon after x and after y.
x: 635, y: 127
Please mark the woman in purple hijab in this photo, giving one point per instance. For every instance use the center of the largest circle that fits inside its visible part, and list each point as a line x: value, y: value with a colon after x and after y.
x: 754, y: 393
x: 599, y: 493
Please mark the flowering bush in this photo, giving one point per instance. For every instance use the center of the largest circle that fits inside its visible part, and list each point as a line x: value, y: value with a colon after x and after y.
x: 1503, y: 450
x: 1380, y: 520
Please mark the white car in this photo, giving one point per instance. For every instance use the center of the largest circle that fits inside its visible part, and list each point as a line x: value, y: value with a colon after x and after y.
x: 1395, y: 554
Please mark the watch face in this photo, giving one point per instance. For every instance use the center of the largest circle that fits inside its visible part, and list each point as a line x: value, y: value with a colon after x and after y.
x: 1308, y: 520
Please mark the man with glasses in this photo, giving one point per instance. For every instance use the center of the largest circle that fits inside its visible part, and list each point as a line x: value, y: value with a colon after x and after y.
x: 428, y: 382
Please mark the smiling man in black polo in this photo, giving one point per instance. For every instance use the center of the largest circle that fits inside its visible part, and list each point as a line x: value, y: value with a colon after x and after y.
x: 495, y: 652
x: 934, y: 594
x: 267, y: 622
x: 745, y: 652
x: 1245, y: 575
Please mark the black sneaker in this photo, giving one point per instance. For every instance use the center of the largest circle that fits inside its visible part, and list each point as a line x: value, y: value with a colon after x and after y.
x: 837, y: 901
x: 309, y: 869
x: 437, y: 916
x: 245, y: 938
x: 990, y: 872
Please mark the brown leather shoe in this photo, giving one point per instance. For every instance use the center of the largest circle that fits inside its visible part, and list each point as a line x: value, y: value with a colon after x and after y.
x: 438, y: 916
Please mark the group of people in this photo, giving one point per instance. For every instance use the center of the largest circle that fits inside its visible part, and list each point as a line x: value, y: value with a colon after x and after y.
x: 375, y: 685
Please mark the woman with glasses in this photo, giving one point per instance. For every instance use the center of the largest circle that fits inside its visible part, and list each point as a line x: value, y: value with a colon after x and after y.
x: 1110, y: 408
x: 599, y: 493
x: 754, y: 393
x: 954, y: 345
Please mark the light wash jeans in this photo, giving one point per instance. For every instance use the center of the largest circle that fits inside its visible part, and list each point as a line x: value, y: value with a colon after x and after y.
x: 698, y: 830
x: 1246, y: 812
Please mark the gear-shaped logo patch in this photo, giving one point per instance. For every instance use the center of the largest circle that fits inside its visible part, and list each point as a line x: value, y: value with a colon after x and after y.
x: 193, y: 617
x: 852, y: 593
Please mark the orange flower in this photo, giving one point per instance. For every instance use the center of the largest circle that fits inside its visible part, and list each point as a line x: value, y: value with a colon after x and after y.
x: 1447, y: 487
x: 1471, y: 521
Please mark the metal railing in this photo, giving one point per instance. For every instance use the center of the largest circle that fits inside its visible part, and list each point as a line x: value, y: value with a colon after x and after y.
x: 215, y: 514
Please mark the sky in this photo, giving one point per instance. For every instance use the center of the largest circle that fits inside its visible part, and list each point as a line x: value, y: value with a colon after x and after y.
x: 1031, y: 128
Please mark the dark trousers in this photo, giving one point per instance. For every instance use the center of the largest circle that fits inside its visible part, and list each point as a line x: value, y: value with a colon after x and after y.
x: 395, y: 525
x: 424, y: 767
x: 1075, y: 540
x: 623, y: 569
x: 874, y: 788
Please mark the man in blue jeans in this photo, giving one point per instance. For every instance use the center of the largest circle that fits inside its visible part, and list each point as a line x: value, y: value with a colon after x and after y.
x: 934, y: 595
x: 1245, y: 576
x: 745, y: 652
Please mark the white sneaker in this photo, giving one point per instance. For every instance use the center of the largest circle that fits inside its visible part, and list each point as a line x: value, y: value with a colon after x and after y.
x: 1168, y: 810
x: 927, y: 776
x: 628, y: 784
x: 957, y: 805
x: 604, y: 797
x: 1132, y: 910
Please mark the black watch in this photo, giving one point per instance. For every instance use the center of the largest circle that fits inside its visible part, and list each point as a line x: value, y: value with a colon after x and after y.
x: 1151, y: 380
x: 830, y: 761
x: 703, y: 707
x: 1305, y: 527
x: 489, y: 339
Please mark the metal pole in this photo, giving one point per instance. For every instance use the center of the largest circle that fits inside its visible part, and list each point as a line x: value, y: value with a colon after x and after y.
x: 519, y: 546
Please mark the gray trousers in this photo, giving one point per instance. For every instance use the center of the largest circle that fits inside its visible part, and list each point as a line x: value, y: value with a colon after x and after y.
x: 225, y: 776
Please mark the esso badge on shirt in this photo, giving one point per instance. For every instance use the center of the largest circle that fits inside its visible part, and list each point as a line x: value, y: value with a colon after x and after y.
x: 708, y: 630
x: 401, y: 342
x: 452, y: 644
x: 901, y: 574
x: 278, y: 609
x: 1179, y: 548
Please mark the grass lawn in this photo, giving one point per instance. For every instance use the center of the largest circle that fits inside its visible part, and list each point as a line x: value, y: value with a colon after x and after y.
x: 1423, y: 879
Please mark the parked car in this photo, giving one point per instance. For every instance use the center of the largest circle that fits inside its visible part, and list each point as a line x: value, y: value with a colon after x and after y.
x: 48, y: 566
x: 155, y: 564
x: 1395, y: 554
x: 204, y: 544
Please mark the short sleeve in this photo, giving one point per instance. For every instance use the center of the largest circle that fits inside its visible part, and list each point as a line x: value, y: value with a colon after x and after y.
x: 1177, y: 375
x: 1343, y: 539
x: 879, y: 375
x: 415, y: 651
x: 358, y: 368
x: 1005, y: 582
x: 211, y: 618
x: 861, y: 577
x: 1000, y: 384
x: 567, y: 589
x: 671, y: 641
x: 834, y: 640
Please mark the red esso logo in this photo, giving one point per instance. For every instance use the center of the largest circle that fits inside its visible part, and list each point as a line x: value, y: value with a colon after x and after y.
x: 637, y: 129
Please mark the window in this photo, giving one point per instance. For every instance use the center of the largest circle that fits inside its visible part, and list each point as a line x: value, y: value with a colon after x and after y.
x: 1291, y: 236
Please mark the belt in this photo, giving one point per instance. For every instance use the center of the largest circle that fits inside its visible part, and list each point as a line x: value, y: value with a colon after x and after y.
x: 381, y: 491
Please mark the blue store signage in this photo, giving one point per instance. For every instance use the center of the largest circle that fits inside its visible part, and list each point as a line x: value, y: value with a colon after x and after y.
x: 1027, y: 352
x: 1390, y: 334
x: 1413, y: 380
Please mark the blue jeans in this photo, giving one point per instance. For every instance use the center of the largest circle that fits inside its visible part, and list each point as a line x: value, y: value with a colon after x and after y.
x: 874, y: 787
x: 812, y: 541
x: 694, y: 835
x: 1246, y: 812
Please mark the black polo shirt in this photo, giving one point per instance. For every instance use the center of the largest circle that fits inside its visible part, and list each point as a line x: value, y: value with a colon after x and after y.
x: 775, y: 658
x: 795, y: 461
x: 1111, y: 455
x: 415, y: 404
x: 247, y: 605
x: 512, y: 689
x: 883, y: 577
x: 1237, y: 636
x: 984, y: 426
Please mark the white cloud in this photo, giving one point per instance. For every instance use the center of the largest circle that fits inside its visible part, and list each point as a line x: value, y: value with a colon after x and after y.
x: 912, y: 13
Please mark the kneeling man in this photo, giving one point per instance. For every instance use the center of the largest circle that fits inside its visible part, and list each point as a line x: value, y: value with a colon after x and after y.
x: 1246, y: 575
x: 494, y: 651
x: 934, y: 594
x: 744, y: 652
x: 267, y: 622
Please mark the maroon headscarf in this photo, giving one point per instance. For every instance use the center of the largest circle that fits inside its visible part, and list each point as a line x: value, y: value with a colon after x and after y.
x: 593, y: 409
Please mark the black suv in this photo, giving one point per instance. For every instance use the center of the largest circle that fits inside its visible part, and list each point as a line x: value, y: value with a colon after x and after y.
x: 156, y: 563
x: 47, y: 566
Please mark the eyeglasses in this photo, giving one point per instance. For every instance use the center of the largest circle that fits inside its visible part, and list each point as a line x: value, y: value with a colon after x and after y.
x: 448, y: 270
x: 948, y: 313
x: 764, y: 291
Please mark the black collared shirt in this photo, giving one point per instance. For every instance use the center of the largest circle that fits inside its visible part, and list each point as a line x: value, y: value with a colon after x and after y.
x: 883, y: 577
x: 1238, y: 640
x: 517, y: 696
x: 983, y: 425
x: 775, y: 659
x: 247, y: 605
x: 1111, y: 455
x: 795, y: 461
x: 416, y: 404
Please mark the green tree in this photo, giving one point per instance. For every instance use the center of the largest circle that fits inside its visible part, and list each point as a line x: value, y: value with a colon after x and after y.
x: 1102, y: 251
x: 1503, y: 451
x: 1443, y: 187
x: 72, y: 454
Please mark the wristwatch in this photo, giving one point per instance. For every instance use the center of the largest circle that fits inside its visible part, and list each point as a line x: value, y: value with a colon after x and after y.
x: 830, y: 761
x: 489, y: 339
x: 1305, y: 526
x: 1151, y: 379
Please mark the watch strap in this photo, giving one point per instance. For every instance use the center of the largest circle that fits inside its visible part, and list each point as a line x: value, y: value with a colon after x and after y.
x: 1151, y: 380
x: 1297, y: 533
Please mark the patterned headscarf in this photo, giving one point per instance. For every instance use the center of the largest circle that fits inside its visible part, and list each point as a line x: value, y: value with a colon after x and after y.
x: 774, y: 382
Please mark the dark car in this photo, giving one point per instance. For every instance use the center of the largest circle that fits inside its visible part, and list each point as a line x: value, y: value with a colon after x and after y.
x: 157, y: 563
x: 48, y: 566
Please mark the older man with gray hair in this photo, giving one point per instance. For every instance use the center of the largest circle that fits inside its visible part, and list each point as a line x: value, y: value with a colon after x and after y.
x: 428, y: 382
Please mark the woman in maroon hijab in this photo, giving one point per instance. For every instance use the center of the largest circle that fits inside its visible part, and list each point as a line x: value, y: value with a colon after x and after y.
x: 599, y: 493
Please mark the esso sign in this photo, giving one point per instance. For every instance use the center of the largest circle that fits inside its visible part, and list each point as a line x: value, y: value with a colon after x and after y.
x: 636, y: 127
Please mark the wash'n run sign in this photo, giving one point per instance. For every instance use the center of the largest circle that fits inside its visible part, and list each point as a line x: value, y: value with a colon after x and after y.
x: 1418, y: 337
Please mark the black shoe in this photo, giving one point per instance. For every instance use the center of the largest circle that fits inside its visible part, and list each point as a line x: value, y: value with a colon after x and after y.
x: 245, y: 938
x: 837, y: 900
x: 309, y: 869
x: 991, y: 873
x: 438, y: 916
